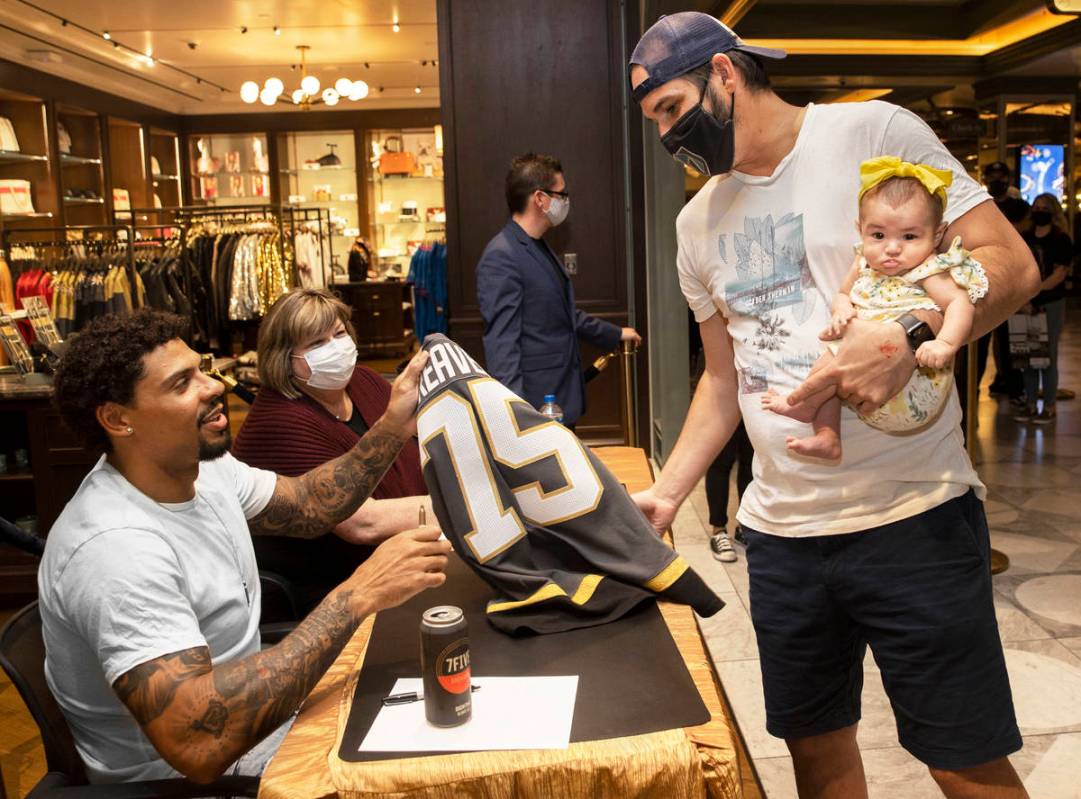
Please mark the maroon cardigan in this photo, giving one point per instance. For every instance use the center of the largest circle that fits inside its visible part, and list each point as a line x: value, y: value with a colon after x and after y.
x: 293, y: 436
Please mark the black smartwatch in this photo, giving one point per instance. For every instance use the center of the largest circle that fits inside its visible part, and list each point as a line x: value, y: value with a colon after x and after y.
x: 916, y: 330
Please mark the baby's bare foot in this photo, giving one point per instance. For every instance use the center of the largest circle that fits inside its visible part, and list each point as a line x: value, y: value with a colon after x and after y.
x: 772, y: 401
x: 825, y: 444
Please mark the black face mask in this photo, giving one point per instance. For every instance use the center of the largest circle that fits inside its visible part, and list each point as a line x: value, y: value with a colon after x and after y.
x: 1040, y: 218
x: 701, y: 142
x: 998, y: 187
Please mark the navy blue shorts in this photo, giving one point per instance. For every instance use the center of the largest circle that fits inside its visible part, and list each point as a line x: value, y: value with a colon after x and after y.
x: 918, y: 591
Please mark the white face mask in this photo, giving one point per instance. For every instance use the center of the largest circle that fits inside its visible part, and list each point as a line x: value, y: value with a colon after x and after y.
x: 558, y: 209
x: 332, y: 363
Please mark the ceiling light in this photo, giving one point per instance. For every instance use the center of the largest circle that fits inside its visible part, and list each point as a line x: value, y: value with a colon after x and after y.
x: 105, y: 35
x: 330, y: 96
x: 249, y: 91
x: 243, y: 28
x: 267, y: 97
x: 395, y: 27
x: 298, y: 95
x: 310, y: 85
x: 277, y: 31
x: 343, y: 86
x: 359, y: 90
x: 274, y: 86
x: 416, y: 89
x: 149, y: 59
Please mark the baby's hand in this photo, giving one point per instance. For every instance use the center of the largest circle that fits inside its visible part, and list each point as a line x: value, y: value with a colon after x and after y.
x: 935, y: 354
x: 839, y: 320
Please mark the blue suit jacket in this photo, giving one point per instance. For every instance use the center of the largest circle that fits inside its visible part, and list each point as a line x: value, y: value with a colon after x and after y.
x: 531, y: 325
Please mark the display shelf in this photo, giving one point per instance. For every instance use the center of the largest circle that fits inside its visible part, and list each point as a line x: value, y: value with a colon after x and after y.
x: 27, y: 155
x: 16, y: 477
x: 78, y: 160
x: 83, y: 201
x: 11, y: 157
x: 166, y: 177
x: 305, y: 170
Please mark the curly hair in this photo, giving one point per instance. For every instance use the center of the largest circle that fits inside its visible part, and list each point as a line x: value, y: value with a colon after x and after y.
x: 103, y: 363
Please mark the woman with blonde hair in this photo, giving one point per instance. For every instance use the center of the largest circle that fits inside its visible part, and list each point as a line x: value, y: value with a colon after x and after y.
x: 1050, y: 243
x: 315, y: 403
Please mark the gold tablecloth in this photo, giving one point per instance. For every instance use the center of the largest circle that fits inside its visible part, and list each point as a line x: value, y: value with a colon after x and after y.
x: 690, y: 762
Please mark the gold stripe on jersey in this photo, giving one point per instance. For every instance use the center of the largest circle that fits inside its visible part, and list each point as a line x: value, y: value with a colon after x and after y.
x: 668, y: 575
x: 546, y: 591
x: 586, y: 588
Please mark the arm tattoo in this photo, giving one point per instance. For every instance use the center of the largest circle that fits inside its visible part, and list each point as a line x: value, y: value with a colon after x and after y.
x: 312, y: 504
x: 202, y: 717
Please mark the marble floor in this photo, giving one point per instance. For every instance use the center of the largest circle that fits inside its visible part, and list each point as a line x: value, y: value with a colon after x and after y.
x: 1034, y: 512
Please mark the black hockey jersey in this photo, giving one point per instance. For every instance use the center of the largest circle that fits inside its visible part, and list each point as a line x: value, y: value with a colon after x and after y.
x: 533, y: 512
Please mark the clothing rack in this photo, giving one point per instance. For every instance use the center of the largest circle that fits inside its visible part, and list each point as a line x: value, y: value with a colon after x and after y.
x: 58, y: 237
x: 7, y: 233
x: 304, y: 216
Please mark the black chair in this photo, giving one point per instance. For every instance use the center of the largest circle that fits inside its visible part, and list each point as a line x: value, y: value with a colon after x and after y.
x: 22, y: 656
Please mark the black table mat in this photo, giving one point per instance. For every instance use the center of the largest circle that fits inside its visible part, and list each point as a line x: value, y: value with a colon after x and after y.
x: 631, y: 677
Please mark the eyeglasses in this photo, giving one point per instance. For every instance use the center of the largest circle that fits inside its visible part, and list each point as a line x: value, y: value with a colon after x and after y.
x: 564, y: 194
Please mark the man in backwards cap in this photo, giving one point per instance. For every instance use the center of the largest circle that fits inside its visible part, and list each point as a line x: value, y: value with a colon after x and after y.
x: 888, y: 547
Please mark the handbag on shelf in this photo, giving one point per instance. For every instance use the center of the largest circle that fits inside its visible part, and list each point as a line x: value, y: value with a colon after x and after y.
x: 15, y: 197
x: 396, y: 164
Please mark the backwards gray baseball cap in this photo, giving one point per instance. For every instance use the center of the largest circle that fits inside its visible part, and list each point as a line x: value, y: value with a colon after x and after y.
x: 677, y: 43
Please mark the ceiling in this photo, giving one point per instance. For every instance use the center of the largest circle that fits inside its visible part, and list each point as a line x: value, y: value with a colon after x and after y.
x: 908, y: 51
x: 348, y: 38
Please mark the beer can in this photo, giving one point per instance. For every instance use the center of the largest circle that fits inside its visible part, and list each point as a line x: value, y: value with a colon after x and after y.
x: 444, y: 663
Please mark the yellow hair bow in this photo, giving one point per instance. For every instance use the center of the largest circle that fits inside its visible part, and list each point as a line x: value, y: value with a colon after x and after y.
x: 876, y: 170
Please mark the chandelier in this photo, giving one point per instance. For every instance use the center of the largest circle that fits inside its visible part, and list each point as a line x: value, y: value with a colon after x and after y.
x: 308, y: 93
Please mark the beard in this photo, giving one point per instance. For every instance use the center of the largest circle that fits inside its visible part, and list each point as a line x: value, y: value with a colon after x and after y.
x: 212, y: 450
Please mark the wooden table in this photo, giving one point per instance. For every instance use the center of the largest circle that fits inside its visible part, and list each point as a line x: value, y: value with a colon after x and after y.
x: 691, y: 762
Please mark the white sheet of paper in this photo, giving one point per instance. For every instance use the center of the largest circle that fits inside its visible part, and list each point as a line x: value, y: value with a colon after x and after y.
x: 508, y: 713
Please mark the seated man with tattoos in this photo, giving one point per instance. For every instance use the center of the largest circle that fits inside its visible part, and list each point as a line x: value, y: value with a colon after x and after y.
x: 149, y: 588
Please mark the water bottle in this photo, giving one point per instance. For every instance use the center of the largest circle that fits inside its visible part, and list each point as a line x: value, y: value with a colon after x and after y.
x: 550, y: 409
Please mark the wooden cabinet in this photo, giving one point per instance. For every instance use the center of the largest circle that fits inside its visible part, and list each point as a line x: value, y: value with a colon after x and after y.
x: 57, y: 464
x: 382, y: 316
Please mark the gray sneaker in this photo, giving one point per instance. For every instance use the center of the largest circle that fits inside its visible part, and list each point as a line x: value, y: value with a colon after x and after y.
x: 722, y: 548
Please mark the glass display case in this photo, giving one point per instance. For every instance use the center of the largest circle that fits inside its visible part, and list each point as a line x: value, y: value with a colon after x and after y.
x: 27, y: 188
x: 229, y: 169
x: 318, y: 170
x: 405, y: 195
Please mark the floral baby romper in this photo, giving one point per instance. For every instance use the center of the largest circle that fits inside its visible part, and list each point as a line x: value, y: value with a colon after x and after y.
x: 882, y: 298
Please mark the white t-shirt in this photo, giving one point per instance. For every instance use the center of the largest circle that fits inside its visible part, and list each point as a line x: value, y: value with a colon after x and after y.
x: 125, y: 580
x: 770, y: 253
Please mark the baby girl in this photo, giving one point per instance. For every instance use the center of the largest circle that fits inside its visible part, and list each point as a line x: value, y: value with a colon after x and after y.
x: 896, y: 271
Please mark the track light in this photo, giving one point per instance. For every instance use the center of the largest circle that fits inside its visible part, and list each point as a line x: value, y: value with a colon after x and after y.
x: 277, y: 31
x: 243, y: 28
x: 395, y: 27
x: 416, y: 89
x: 63, y: 23
x: 105, y: 35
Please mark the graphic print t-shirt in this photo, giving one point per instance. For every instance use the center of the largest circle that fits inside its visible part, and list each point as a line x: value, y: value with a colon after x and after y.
x: 769, y: 253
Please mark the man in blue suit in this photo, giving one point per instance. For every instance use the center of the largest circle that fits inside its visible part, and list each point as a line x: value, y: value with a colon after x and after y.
x: 531, y: 326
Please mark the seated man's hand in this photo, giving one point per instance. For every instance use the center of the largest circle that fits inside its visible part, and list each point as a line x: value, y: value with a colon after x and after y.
x: 873, y: 363
x: 402, y: 408
x: 400, y: 568
x: 658, y: 510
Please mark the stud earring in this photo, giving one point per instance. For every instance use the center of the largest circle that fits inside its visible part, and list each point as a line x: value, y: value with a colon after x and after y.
x: 131, y: 430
